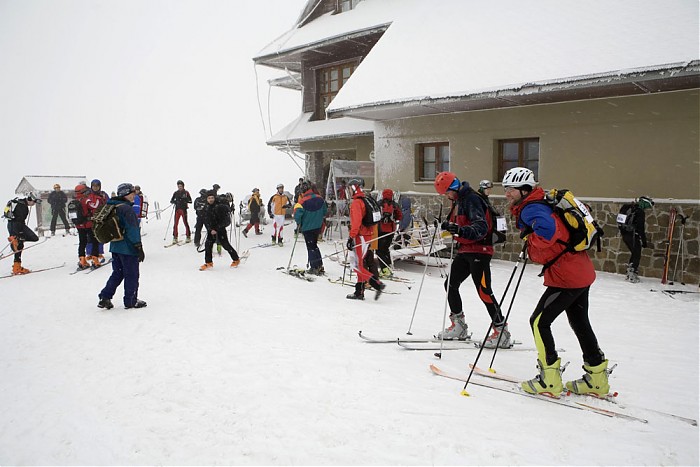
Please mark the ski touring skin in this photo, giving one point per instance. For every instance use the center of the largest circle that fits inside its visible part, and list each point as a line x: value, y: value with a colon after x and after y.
x: 611, y: 398
x: 507, y: 386
x: 33, y: 271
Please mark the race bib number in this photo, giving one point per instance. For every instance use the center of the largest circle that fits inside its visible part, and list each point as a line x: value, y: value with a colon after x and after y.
x: 501, y: 224
x: 621, y: 218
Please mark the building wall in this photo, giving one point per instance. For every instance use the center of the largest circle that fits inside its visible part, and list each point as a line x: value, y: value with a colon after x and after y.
x: 320, y: 153
x: 609, y: 148
x: 685, y: 257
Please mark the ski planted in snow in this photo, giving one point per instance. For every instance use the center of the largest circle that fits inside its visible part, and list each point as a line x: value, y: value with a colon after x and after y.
x: 515, y: 389
x: 33, y: 271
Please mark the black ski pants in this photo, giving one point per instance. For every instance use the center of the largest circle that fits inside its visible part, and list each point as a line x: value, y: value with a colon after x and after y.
x: 552, y: 303
x: 85, y: 236
x: 59, y: 211
x: 478, y: 266
x: 221, y: 238
x: 634, y: 243
x: 314, y: 254
x: 383, y: 245
x: 23, y: 234
x: 198, y: 229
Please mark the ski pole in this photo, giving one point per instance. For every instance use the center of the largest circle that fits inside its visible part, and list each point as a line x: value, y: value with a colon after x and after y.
x: 481, y: 348
x: 447, y: 292
x: 289, y: 265
x: 425, y: 269
x: 167, y: 229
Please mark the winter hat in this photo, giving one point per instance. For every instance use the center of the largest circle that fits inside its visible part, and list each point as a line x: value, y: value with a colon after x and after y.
x: 645, y: 202
x: 387, y: 194
x: 96, y: 182
x: 125, y: 189
x: 255, y: 190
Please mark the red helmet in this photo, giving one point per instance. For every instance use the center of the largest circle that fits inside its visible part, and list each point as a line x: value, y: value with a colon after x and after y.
x: 81, y: 188
x: 446, y: 181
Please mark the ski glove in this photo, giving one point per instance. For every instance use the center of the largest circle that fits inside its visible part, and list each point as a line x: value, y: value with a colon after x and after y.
x: 525, y: 232
x: 351, y: 243
x: 139, y: 252
x: 450, y: 227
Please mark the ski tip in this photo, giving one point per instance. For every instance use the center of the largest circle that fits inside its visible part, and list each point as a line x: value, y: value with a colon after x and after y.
x: 491, y: 370
x: 465, y: 393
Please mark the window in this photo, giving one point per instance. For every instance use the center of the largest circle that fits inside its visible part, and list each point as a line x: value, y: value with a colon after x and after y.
x: 432, y: 159
x: 346, y: 5
x: 330, y: 80
x: 518, y: 153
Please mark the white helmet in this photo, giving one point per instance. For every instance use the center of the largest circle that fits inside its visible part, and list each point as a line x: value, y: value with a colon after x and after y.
x: 519, y: 176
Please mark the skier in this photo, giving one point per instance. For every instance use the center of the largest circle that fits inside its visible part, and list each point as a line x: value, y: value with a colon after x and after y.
x: 633, y: 231
x: 83, y: 225
x: 391, y: 213
x: 217, y: 216
x: 58, y: 199
x: 127, y: 253
x: 469, y: 221
x: 180, y: 200
x: 254, y: 206
x: 276, y: 208
x: 359, y: 238
x: 568, y: 282
x: 298, y: 190
x: 96, y: 199
x: 18, y: 229
x: 309, y: 214
x: 200, y: 204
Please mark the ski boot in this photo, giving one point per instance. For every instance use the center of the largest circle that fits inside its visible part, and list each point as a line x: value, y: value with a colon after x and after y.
x: 499, y: 332
x: 547, y: 382
x: 359, y: 292
x: 273, y: 240
x: 101, y: 259
x: 235, y: 263
x: 258, y: 233
x: 17, y: 269
x: 385, y: 272
x: 95, y: 262
x: 457, y: 330
x: 279, y: 241
x: 105, y: 303
x: 174, y: 241
x: 377, y: 286
x: 188, y: 239
x: 138, y: 304
x: 594, y: 380
x: 82, y: 263
x: 206, y: 266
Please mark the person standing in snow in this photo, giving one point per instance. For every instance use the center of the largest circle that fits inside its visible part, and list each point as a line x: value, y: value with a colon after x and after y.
x: 255, y: 204
x: 359, y: 238
x: 276, y: 208
x: 83, y: 225
x: 96, y: 198
x: 17, y: 213
x: 309, y: 214
x: 200, y: 205
x: 633, y: 232
x: 469, y: 222
x: 127, y: 253
x: 217, y: 216
x: 568, y: 282
x: 391, y: 214
x: 58, y: 199
x: 181, y: 200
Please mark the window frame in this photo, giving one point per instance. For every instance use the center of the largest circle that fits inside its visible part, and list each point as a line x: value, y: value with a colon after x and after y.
x: 329, y: 94
x: 439, y: 163
x: 522, y: 161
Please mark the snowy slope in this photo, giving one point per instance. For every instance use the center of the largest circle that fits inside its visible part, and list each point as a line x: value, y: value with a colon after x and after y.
x: 250, y: 366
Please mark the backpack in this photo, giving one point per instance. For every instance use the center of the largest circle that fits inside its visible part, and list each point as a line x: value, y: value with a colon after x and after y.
x: 498, y: 227
x: 75, y: 212
x: 625, y: 219
x: 223, y: 213
x: 373, y: 213
x: 9, y: 212
x: 105, y: 224
x: 584, y: 231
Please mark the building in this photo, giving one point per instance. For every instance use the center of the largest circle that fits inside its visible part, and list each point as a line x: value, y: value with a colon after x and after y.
x: 602, y: 97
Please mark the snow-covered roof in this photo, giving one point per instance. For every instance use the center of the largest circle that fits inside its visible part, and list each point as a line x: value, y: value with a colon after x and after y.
x: 302, y: 129
x: 455, y: 48
x: 43, y: 183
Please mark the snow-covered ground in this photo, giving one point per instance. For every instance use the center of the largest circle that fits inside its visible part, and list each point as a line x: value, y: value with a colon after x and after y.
x: 251, y: 366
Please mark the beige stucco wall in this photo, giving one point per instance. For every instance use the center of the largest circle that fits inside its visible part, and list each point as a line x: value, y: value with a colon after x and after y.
x: 607, y: 148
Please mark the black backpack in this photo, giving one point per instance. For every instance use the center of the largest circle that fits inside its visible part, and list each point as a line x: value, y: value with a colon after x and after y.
x: 373, y: 213
x: 105, y: 224
x: 9, y: 212
x: 625, y: 218
x: 75, y: 212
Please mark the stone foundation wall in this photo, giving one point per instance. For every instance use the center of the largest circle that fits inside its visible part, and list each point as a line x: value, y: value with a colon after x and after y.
x: 614, y: 255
